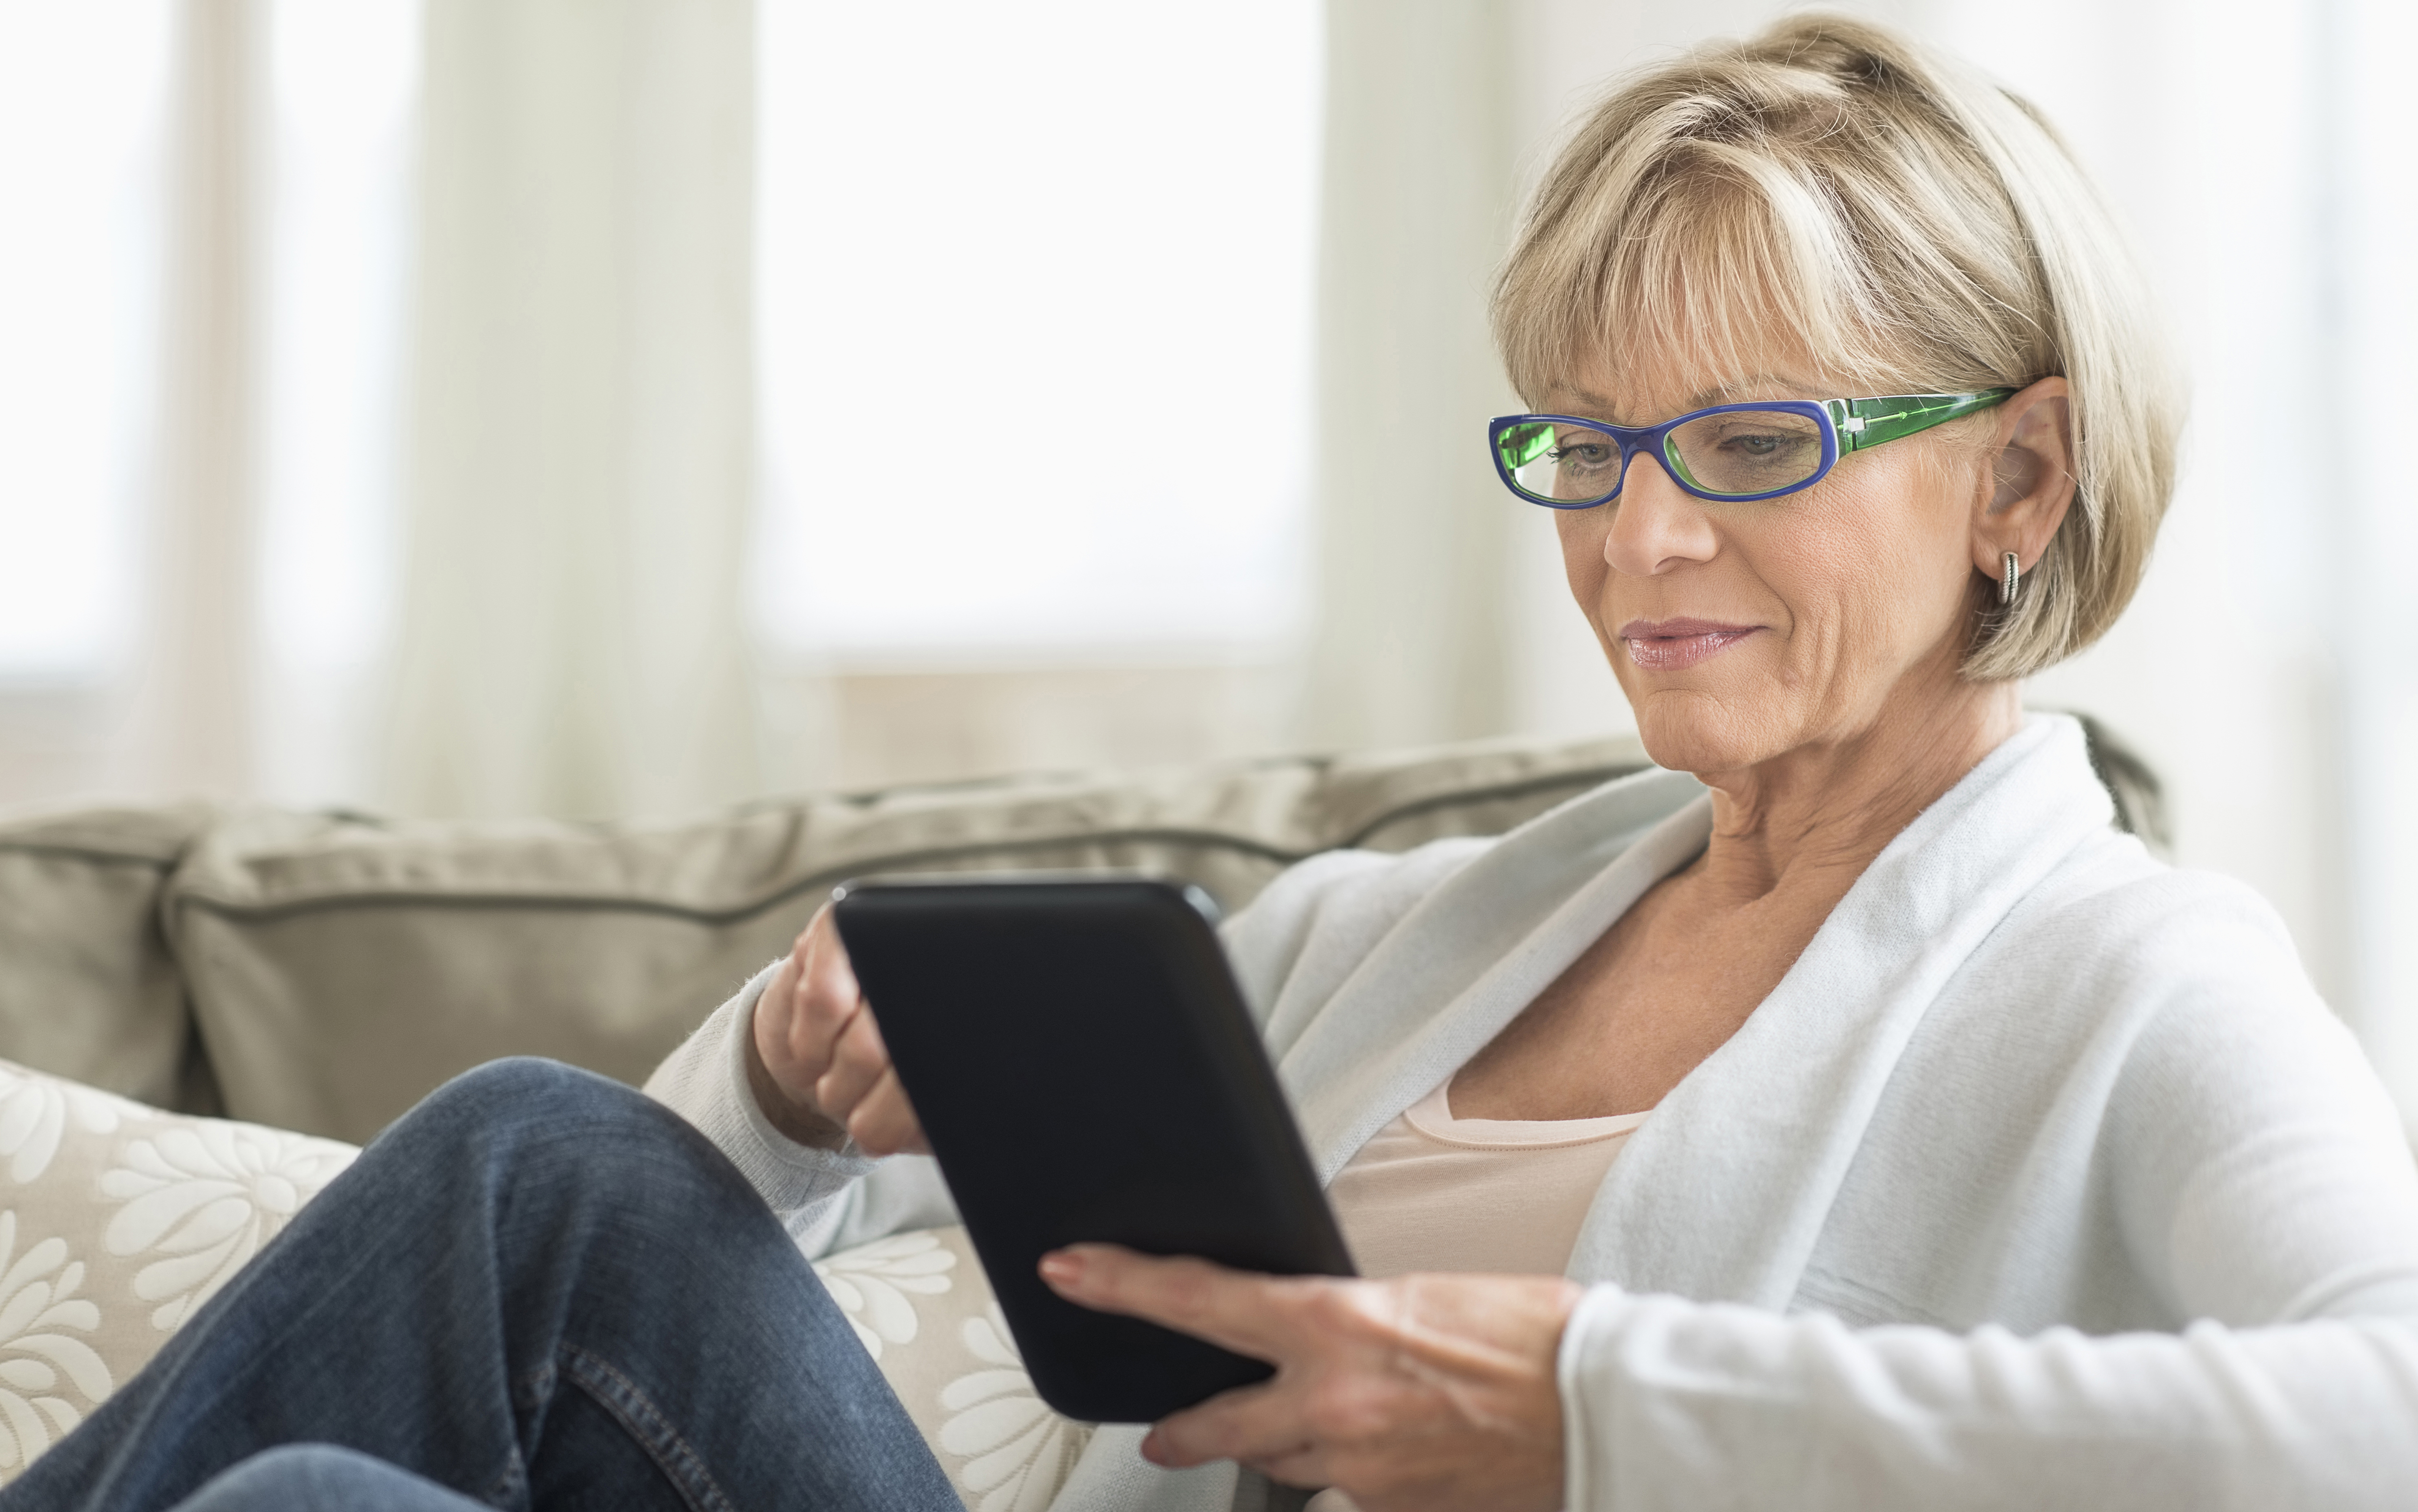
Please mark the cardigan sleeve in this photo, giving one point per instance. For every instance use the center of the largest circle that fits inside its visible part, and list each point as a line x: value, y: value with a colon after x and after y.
x: 1671, y: 1404
x: 2266, y: 1196
x: 826, y: 1200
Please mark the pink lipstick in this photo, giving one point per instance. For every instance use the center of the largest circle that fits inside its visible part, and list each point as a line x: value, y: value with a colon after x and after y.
x: 1669, y: 645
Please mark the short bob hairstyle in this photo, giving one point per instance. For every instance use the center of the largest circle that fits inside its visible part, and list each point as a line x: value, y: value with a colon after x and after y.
x: 1901, y: 222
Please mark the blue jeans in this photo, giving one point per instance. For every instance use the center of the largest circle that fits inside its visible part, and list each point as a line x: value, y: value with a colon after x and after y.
x: 537, y: 1290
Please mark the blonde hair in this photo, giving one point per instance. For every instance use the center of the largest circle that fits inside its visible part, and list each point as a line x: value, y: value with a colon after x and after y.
x: 1914, y: 227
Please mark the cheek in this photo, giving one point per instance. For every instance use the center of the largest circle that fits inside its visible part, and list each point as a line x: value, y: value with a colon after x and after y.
x: 1581, y: 533
x: 1872, y: 574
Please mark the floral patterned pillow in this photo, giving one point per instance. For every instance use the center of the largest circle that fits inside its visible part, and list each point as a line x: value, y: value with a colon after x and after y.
x: 117, y: 1221
x: 922, y: 1307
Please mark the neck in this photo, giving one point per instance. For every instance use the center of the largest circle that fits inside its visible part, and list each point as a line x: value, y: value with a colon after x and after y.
x: 1818, y: 815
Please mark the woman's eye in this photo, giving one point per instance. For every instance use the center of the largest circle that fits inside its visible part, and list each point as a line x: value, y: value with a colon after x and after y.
x: 1755, y: 446
x: 1579, y: 458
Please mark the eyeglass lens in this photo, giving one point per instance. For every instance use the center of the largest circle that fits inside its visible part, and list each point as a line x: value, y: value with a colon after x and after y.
x: 1736, y: 452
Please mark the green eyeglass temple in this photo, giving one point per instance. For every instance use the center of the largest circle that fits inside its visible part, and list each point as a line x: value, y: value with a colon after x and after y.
x: 1863, y: 423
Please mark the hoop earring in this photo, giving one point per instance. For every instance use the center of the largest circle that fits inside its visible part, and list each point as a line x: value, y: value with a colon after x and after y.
x: 2008, y: 582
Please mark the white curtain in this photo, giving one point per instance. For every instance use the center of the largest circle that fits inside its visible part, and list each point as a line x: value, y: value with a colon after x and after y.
x: 189, y: 695
x: 578, y: 467
x: 2370, y: 196
x: 1410, y: 641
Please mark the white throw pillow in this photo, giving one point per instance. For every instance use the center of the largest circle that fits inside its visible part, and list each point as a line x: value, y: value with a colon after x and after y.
x: 117, y: 1221
x: 922, y: 1307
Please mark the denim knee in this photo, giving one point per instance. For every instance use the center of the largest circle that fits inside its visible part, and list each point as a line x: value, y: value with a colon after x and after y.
x: 524, y: 1098
x: 321, y: 1477
x: 528, y: 1088
x: 568, y: 1130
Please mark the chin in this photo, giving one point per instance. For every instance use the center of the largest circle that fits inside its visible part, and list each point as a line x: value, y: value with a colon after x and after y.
x: 1691, y: 730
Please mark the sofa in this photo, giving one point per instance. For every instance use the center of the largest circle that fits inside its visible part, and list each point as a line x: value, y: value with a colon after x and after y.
x: 204, y: 1010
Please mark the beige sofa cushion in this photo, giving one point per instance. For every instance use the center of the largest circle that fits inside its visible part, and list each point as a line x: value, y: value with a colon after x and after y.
x: 87, y: 987
x: 341, y: 968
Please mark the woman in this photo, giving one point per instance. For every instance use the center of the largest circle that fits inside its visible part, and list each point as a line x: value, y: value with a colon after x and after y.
x: 1913, y: 1138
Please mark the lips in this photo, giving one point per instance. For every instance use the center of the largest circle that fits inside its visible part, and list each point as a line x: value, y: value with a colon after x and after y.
x: 1669, y: 645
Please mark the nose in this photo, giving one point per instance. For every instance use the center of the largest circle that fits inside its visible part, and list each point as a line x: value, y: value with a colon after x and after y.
x: 1655, y: 524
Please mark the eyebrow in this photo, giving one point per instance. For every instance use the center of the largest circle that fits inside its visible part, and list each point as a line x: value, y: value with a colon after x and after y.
x: 1701, y: 399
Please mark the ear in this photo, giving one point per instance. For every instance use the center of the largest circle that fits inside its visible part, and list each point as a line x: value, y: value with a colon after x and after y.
x: 2030, y: 483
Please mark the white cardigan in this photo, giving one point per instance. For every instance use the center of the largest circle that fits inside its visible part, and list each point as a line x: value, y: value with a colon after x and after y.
x: 2043, y: 1179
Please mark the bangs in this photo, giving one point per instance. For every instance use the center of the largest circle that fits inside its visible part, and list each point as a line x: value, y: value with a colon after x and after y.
x: 1724, y: 265
x: 1702, y: 221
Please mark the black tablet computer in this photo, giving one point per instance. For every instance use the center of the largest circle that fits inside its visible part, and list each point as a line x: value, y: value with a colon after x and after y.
x: 1085, y: 1069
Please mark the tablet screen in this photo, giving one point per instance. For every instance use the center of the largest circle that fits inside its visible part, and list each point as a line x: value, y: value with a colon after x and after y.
x: 1085, y: 1069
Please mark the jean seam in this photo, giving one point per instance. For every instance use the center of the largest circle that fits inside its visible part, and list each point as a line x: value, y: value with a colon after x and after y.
x: 510, y: 1487
x: 647, y: 1426
x: 527, y: 1395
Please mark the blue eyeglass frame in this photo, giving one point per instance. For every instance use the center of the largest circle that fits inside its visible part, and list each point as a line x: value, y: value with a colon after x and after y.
x: 1847, y: 425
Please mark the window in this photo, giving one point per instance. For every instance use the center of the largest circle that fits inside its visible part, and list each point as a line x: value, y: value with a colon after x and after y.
x: 1035, y: 285
x: 342, y: 82
x: 83, y: 88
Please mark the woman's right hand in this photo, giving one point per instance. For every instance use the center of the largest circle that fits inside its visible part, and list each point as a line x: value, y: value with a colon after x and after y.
x: 816, y: 1060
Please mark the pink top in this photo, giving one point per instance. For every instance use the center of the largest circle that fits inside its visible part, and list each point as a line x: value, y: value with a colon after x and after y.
x: 1436, y: 1193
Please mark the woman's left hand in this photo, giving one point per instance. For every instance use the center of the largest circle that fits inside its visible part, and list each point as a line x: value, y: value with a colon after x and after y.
x: 1422, y: 1394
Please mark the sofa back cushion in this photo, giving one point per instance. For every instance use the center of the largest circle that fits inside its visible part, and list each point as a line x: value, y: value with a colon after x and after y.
x: 88, y: 987
x: 340, y: 968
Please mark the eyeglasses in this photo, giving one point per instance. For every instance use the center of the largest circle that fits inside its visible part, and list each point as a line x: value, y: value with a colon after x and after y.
x: 1729, y: 453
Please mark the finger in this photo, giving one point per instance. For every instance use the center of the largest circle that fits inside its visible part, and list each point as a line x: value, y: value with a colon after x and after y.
x: 774, y: 1011
x: 829, y: 976
x: 827, y: 998
x: 801, y: 950
x: 782, y: 998
x: 1307, y: 1467
x: 884, y: 1124
x: 857, y: 1062
x: 781, y: 1089
x: 1259, y: 1424
x: 1243, y: 1311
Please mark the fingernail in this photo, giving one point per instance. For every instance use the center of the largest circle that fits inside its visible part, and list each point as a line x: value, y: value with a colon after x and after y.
x: 1150, y: 1446
x: 1060, y: 1268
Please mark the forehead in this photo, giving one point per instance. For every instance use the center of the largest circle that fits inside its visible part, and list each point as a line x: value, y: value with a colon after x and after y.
x: 1644, y: 369
x: 1643, y: 399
